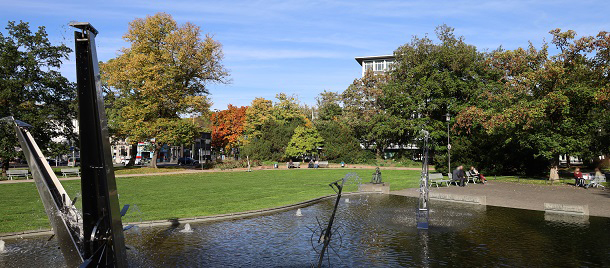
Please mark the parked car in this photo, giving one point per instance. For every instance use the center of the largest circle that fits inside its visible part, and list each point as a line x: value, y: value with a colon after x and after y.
x: 187, y: 161
x: 72, y: 163
x: 126, y: 161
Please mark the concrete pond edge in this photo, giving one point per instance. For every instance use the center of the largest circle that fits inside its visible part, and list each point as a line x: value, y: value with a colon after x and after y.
x: 182, y: 221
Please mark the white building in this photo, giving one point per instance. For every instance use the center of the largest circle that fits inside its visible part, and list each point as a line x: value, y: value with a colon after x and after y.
x: 377, y: 64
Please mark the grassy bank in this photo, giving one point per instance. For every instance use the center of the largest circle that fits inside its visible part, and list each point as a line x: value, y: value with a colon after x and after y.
x: 200, y: 194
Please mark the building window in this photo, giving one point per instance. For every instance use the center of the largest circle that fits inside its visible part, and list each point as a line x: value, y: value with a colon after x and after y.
x: 368, y: 65
x: 389, y: 64
x: 379, y: 66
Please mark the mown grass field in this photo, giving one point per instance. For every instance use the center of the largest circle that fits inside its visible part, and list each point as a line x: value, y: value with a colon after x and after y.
x: 200, y: 194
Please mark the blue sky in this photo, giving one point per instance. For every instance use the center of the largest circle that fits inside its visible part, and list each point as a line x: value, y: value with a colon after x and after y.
x: 305, y: 47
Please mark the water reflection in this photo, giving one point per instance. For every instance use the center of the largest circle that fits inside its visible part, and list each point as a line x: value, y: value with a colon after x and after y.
x: 376, y: 231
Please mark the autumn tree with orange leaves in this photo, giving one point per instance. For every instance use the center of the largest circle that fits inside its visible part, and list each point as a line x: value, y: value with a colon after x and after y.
x: 228, y: 127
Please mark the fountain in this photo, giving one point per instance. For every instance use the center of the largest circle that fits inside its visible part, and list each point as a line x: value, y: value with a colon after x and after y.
x: 187, y: 228
x: 94, y: 239
x: 1, y: 246
x: 299, y: 214
x: 423, y: 211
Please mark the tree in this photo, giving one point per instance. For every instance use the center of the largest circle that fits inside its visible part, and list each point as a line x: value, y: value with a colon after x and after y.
x: 305, y: 140
x: 272, y: 142
x: 32, y: 89
x: 364, y: 111
x: 269, y: 126
x: 430, y: 80
x: 228, y: 127
x: 340, y: 143
x: 259, y: 112
x: 329, y: 105
x: 551, y: 105
x: 161, y: 76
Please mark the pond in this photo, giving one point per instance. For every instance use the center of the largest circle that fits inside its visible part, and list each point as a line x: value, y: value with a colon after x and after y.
x: 372, y: 231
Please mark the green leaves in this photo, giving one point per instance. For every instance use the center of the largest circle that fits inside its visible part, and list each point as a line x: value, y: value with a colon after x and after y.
x: 31, y: 88
x: 161, y: 77
x: 304, y: 141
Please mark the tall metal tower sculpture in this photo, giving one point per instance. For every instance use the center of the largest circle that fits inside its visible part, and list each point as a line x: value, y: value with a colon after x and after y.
x: 60, y: 210
x: 103, y: 244
x: 99, y: 241
x: 423, y: 211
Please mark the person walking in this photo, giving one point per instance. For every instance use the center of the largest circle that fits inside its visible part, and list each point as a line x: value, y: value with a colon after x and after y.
x: 458, y: 174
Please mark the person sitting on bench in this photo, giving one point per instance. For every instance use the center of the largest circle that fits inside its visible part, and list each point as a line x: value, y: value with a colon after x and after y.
x: 475, y: 172
x: 458, y: 174
x: 578, y: 179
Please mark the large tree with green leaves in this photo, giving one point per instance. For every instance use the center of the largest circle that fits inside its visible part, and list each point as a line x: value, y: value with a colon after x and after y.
x: 365, y: 112
x: 305, y: 140
x: 429, y: 80
x: 551, y: 105
x: 162, y: 76
x: 32, y: 89
x: 269, y: 126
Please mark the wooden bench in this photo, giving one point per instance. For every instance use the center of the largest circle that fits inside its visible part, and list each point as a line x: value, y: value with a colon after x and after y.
x: 436, y: 179
x: 70, y: 171
x: 323, y: 164
x: 18, y: 173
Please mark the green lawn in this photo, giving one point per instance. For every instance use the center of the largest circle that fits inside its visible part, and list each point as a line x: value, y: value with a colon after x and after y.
x: 200, y: 194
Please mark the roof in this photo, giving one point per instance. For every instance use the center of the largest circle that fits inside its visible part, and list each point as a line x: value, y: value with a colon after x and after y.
x: 381, y: 57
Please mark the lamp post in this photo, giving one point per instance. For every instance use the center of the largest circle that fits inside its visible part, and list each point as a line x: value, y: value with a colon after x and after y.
x: 448, y: 117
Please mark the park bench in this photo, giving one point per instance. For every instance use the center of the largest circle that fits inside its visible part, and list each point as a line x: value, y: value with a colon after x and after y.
x: 470, y: 177
x: 436, y: 179
x: 456, y: 180
x: 70, y: 171
x: 323, y: 164
x: 18, y: 173
x: 294, y: 165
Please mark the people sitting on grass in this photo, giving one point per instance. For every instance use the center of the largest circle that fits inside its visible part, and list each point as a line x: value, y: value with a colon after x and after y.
x: 474, y: 172
x: 578, y: 178
x: 458, y: 174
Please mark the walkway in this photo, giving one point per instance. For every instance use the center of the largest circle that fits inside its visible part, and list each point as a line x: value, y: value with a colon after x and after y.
x: 190, y: 171
x: 529, y: 196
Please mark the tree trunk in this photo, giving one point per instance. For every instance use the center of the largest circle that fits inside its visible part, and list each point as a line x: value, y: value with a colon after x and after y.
x: 4, y: 165
x: 554, y: 174
x: 379, y: 152
x: 153, y: 161
x: 133, y: 152
x: 568, y: 160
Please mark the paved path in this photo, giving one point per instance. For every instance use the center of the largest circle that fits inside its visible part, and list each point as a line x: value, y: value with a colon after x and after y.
x: 529, y: 196
x: 190, y: 171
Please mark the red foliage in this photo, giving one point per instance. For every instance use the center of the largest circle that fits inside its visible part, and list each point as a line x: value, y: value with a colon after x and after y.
x: 228, y: 126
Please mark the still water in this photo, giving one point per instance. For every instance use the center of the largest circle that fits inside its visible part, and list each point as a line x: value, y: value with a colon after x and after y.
x: 372, y: 231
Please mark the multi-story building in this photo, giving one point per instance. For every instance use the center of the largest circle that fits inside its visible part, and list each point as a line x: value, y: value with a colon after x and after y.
x: 377, y: 64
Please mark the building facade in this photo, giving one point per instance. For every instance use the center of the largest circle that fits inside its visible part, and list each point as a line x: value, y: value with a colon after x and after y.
x: 377, y: 64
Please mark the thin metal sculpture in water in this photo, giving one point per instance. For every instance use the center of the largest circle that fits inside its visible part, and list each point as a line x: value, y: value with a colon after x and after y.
x: 423, y: 211
x: 326, y: 233
x: 104, y: 243
x: 63, y: 216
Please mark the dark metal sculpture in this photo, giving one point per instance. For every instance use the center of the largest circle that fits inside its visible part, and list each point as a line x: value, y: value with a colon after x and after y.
x: 423, y: 211
x: 103, y: 244
x: 327, y: 235
x: 376, y: 176
x: 60, y: 210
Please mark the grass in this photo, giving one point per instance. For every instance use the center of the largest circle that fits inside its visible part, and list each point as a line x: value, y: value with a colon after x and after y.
x: 199, y: 194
